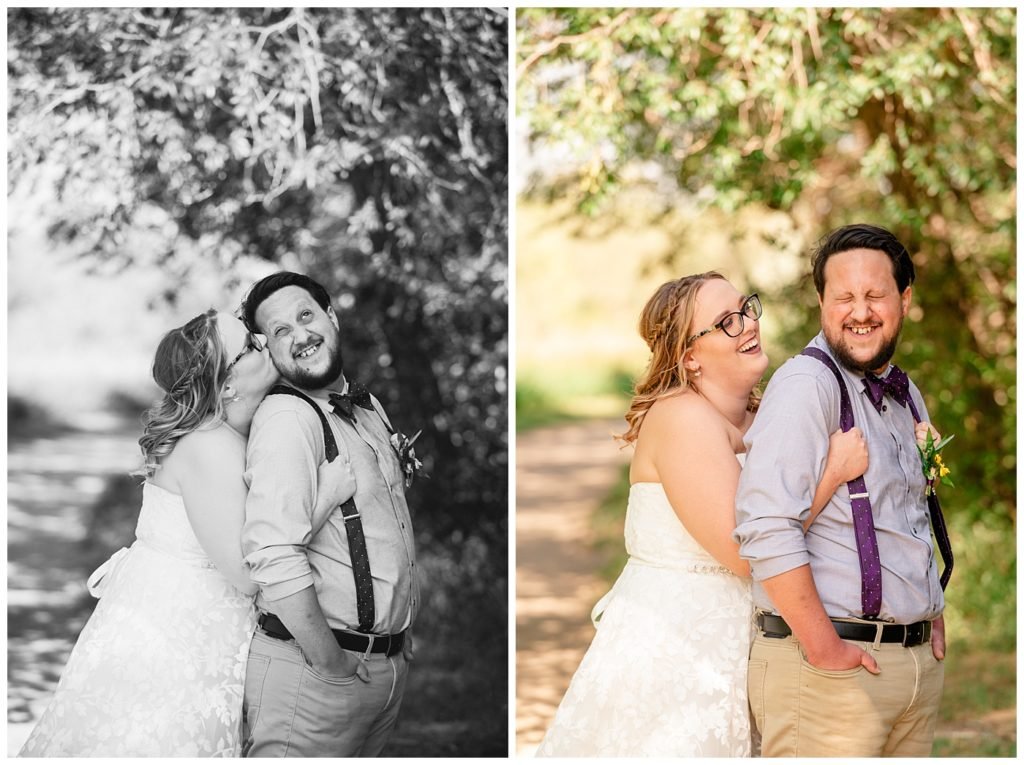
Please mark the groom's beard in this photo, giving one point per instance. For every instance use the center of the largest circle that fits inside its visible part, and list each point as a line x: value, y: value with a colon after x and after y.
x: 840, y: 350
x: 307, y: 380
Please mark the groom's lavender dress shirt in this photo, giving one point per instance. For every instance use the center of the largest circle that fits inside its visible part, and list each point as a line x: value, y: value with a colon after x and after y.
x: 289, y: 547
x: 787, y: 447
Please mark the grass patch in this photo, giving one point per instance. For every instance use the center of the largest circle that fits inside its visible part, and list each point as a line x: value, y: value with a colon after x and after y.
x: 27, y: 420
x: 608, y: 521
x: 981, y: 602
x: 549, y: 396
x: 978, y: 713
x: 536, y: 408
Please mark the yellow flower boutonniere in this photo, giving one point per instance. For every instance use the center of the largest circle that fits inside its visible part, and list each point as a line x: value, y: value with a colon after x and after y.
x: 931, y: 463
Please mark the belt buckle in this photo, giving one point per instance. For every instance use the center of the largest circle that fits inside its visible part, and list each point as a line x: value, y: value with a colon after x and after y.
x: 762, y: 619
x: 913, y: 632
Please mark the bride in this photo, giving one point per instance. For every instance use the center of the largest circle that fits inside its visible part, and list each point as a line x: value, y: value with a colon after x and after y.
x: 158, y: 669
x: 666, y: 672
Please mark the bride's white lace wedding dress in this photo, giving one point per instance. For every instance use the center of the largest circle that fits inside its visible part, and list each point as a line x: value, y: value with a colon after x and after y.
x: 159, y: 668
x: 666, y: 673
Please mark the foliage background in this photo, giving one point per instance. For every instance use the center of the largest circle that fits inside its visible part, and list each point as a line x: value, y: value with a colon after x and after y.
x: 161, y: 159
x: 666, y: 141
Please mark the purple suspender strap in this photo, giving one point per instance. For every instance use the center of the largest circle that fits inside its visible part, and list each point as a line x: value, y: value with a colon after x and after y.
x: 863, y: 522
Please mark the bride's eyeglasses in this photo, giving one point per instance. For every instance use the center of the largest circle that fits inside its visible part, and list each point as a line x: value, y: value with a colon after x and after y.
x: 252, y: 343
x: 732, y: 323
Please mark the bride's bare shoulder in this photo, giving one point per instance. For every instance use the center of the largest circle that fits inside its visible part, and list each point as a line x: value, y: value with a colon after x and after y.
x: 686, y: 409
x: 215, y: 443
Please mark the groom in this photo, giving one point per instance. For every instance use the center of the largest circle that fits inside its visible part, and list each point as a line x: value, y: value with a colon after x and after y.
x: 327, y: 666
x: 837, y: 669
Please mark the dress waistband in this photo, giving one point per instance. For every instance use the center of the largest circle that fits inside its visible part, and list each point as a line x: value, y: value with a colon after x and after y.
x: 193, y: 560
x: 693, y: 565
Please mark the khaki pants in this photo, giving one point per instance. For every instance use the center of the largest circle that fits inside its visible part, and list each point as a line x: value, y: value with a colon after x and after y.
x: 290, y: 711
x: 803, y: 711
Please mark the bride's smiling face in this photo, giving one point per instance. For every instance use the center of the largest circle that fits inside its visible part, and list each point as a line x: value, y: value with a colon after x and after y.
x: 717, y: 355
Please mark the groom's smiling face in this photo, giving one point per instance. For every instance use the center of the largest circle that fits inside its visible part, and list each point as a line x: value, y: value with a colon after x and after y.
x: 303, y: 338
x: 862, y: 309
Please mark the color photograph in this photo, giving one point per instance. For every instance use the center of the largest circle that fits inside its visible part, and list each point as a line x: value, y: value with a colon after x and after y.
x: 765, y: 382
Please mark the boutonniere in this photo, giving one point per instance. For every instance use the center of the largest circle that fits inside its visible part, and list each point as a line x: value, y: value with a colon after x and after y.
x: 931, y: 463
x: 402, y: 445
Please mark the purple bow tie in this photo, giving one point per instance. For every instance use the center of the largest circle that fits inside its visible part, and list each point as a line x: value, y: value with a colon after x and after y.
x: 896, y: 385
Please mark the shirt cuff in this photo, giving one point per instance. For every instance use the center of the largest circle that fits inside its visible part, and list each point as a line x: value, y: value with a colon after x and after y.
x: 280, y: 571
x: 766, y: 568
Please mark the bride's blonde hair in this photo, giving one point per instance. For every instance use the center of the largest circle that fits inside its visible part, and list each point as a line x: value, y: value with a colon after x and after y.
x: 665, y: 325
x: 191, y: 367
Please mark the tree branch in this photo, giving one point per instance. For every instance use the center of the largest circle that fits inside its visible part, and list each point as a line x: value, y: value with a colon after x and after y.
x: 556, y: 42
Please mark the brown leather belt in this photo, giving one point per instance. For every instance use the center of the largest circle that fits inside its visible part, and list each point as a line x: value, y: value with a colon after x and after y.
x: 906, y: 634
x: 388, y: 645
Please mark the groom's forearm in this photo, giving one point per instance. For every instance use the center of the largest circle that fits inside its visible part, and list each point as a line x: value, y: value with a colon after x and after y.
x: 795, y: 596
x: 302, y: 615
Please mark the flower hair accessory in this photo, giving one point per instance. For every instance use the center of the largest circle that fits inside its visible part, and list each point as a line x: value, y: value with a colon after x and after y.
x: 402, y: 445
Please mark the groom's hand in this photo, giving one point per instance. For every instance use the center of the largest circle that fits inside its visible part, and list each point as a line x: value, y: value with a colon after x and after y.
x: 939, y: 638
x: 841, y: 656
x: 340, y: 663
x: 796, y: 597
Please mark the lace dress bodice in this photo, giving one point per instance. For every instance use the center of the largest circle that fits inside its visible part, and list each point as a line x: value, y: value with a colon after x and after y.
x: 656, y: 537
x: 164, y: 526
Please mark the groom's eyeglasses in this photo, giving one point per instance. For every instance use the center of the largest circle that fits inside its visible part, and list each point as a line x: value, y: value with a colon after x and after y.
x: 252, y: 343
x: 732, y: 323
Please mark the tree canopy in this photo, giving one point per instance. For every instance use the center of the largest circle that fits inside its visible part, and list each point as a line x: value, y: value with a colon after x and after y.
x: 366, y: 147
x: 901, y: 117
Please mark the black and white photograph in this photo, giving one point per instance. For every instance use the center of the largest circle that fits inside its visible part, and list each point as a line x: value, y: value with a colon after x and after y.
x: 723, y: 549
x: 257, y: 382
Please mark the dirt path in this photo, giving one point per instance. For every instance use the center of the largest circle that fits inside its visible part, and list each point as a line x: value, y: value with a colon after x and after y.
x: 562, y: 474
x: 52, y: 484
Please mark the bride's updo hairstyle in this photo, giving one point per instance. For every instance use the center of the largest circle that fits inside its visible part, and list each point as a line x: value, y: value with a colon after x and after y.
x: 191, y: 367
x: 665, y: 324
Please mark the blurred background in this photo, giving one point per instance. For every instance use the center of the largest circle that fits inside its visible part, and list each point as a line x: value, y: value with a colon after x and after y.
x: 162, y: 159
x: 654, y: 143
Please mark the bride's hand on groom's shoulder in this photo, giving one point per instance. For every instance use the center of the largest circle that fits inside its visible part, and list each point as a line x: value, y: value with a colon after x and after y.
x: 847, y: 456
x: 847, y: 459
x: 921, y: 431
x: 335, y: 483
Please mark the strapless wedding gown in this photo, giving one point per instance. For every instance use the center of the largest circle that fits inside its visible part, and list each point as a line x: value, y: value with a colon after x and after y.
x: 666, y: 673
x: 159, y: 668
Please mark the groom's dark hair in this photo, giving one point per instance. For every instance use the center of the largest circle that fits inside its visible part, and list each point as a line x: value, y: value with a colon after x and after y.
x: 268, y: 285
x: 863, y: 236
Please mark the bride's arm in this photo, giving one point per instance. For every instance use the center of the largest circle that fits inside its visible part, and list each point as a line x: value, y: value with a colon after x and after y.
x: 697, y: 466
x: 210, y: 476
x: 847, y: 459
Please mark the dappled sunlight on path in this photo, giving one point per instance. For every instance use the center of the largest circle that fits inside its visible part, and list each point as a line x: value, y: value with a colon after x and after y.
x: 562, y: 474
x: 52, y: 485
